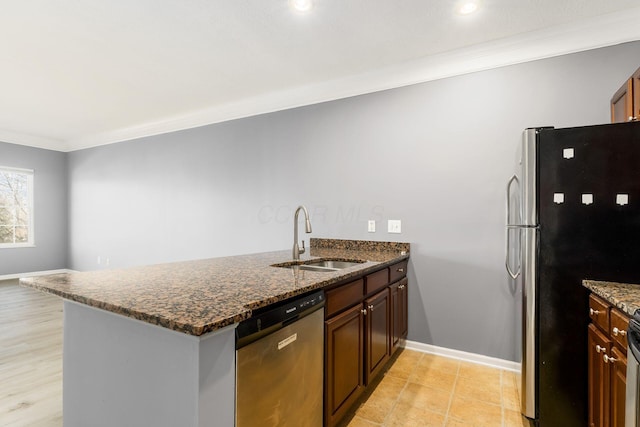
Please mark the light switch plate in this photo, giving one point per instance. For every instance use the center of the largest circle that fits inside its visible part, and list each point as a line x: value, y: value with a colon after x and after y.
x: 394, y: 226
x: 372, y: 226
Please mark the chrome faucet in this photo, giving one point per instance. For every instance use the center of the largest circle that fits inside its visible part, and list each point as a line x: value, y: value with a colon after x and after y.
x: 296, y: 249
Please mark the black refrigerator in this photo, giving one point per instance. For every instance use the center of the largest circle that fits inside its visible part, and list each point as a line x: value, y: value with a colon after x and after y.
x: 573, y: 213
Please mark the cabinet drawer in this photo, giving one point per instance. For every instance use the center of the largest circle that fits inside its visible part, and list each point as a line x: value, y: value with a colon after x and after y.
x: 377, y: 280
x: 343, y: 296
x: 397, y: 271
x: 599, y: 312
x: 619, y: 324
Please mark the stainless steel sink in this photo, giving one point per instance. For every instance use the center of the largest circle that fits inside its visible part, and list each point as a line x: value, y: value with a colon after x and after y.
x: 335, y: 264
x: 325, y: 265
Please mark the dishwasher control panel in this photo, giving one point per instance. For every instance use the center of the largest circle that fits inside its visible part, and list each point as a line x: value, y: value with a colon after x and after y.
x: 277, y: 315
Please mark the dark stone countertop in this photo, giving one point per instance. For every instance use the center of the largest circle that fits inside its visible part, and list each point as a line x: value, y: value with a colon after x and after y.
x: 625, y: 296
x: 201, y: 296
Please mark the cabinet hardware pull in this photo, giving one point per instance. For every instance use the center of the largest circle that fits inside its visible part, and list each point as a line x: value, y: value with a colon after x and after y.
x: 400, y: 270
x: 617, y: 331
x: 608, y: 359
x: 599, y: 349
x: 632, y: 119
x: 371, y: 307
x: 593, y: 312
x: 364, y: 311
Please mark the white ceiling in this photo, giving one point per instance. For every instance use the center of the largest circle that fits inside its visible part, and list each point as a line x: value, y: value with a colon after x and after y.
x: 81, y: 73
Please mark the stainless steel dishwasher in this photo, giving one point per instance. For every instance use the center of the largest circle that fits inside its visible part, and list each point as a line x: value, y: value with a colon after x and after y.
x: 280, y: 364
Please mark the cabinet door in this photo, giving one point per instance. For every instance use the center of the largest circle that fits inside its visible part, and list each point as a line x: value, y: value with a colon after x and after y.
x: 635, y: 87
x: 622, y: 103
x: 404, y: 308
x: 599, y: 378
x: 618, y: 387
x: 394, y: 294
x: 377, y: 333
x: 399, y: 315
x: 343, y: 363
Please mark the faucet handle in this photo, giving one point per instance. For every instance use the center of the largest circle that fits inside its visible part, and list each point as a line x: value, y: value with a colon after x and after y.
x: 302, y: 249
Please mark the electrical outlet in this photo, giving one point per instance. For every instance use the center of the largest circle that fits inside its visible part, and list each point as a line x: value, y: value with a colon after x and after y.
x: 99, y: 260
x: 372, y: 226
x: 394, y: 226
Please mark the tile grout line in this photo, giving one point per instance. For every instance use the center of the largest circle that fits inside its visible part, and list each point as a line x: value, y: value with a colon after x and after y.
x: 406, y: 383
x: 453, y: 389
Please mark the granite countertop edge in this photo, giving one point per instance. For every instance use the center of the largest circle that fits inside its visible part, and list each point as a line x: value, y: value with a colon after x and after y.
x: 624, y: 296
x: 94, y: 289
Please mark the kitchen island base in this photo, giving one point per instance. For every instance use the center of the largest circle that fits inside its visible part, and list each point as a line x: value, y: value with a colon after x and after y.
x: 119, y: 371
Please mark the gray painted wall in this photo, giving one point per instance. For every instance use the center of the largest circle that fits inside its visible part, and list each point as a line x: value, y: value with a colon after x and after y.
x: 50, y: 208
x: 435, y: 155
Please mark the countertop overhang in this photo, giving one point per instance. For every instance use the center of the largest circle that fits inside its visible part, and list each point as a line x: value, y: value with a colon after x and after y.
x: 201, y: 296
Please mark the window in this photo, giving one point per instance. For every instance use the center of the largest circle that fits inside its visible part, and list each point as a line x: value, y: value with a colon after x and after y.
x: 16, y: 207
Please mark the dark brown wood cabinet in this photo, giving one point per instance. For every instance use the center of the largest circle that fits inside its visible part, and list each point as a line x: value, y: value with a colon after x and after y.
x: 599, y: 380
x: 399, y: 313
x: 378, y: 333
x: 365, y: 321
x: 618, y: 387
x: 344, y: 381
x: 625, y: 103
x: 607, y: 352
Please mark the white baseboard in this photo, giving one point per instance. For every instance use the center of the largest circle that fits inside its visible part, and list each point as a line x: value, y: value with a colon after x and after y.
x: 34, y: 274
x: 463, y: 355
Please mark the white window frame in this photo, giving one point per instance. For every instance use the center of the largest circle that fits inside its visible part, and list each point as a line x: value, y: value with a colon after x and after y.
x: 31, y: 240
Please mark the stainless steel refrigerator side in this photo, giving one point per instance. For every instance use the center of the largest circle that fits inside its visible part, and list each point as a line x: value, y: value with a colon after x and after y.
x: 528, y: 270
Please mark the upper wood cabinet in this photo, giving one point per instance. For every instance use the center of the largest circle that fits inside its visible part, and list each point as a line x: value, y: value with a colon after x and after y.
x: 625, y: 103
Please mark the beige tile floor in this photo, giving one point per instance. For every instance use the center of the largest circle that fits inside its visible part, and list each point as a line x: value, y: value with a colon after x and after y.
x: 427, y: 390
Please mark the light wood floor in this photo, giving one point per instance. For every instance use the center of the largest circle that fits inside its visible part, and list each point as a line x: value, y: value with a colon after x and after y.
x: 30, y: 357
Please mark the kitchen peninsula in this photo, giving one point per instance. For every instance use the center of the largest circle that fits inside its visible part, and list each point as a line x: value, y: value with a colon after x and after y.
x: 155, y: 345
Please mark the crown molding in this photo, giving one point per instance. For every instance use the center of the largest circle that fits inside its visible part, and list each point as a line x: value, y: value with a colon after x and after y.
x: 20, y: 138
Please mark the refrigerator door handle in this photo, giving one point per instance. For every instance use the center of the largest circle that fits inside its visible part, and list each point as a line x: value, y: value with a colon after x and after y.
x: 508, y: 204
x: 514, y: 275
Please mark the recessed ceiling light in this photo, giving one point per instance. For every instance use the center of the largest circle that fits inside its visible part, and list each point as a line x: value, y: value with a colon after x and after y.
x: 467, y: 8
x: 301, y: 5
